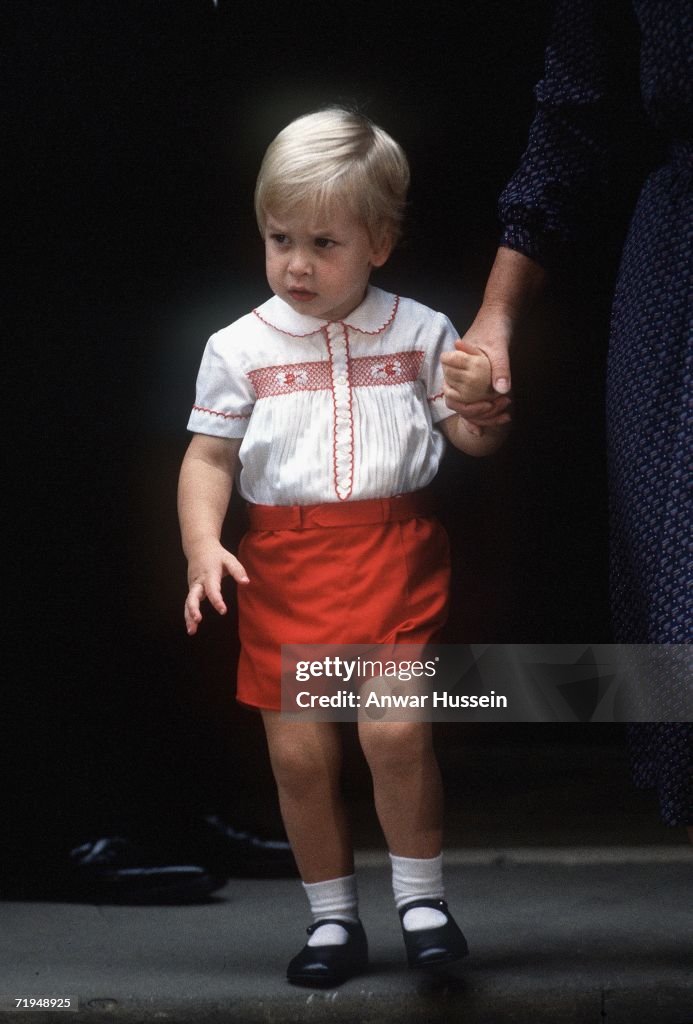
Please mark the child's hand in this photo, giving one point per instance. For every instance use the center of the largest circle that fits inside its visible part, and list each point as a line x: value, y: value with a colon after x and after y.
x: 467, y: 373
x: 207, y: 566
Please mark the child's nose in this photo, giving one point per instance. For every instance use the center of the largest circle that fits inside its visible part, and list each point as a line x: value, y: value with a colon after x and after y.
x: 299, y: 261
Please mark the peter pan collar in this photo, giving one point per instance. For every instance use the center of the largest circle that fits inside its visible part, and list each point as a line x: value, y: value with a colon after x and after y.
x: 376, y: 312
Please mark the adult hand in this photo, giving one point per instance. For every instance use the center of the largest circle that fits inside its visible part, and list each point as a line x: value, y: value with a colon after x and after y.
x: 490, y: 333
x: 513, y: 284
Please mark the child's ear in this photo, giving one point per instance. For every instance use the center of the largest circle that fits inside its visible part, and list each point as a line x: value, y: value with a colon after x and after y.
x: 382, y: 247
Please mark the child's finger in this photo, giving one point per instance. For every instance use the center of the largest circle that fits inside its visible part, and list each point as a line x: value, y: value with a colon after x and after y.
x: 236, y: 570
x: 192, y: 613
x: 461, y: 345
x: 213, y: 591
x: 455, y: 361
x: 455, y: 375
x: 472, y: 409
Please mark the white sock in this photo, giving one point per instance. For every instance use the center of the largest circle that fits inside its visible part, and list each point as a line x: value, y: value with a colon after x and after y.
x: 418, y: 879
x: 335, y: 898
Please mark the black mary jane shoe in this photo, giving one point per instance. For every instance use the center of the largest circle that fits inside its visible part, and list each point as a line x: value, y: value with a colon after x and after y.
x: 431, y: 947
x: 324, y: 966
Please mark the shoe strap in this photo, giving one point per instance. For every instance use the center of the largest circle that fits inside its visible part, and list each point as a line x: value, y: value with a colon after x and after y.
x: 348, y: 926
x: 431, y: 904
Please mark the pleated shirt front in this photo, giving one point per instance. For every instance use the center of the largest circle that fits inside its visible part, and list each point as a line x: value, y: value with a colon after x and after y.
x: 328, y: 410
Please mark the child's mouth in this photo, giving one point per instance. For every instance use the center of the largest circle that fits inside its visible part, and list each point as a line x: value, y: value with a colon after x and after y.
x: 301, y: 294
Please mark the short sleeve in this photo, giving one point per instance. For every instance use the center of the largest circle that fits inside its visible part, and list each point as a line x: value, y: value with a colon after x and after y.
x: 443, y: 337
x: 224, y: 396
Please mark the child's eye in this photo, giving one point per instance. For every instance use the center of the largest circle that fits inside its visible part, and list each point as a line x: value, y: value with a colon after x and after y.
x: 323, y: 243
x: 278, y: 238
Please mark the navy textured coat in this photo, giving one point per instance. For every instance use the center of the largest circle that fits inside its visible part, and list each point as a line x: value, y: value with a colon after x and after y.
x: 543, y: 208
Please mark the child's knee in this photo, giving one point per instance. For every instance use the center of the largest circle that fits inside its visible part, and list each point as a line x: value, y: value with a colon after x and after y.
x: 395, y: 747
x: 293, y: 769
x: 300, y: 762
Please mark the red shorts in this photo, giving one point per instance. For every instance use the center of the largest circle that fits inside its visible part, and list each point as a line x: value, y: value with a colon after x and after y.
x: 358, y: 572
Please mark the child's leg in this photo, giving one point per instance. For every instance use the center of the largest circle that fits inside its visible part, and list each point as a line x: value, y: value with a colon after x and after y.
x: 409, y: 801
x: 306, y: 761
x: 406, y: 784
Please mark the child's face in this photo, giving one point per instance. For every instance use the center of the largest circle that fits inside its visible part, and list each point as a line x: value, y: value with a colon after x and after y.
x: 319, y: 263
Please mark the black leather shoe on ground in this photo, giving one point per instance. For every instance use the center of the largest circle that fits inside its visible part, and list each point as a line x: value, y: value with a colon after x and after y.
x: 114, y: 869
x: 431, y: 947
x: 324, y: 966
x: 229, y: 851
x: 107, y: 867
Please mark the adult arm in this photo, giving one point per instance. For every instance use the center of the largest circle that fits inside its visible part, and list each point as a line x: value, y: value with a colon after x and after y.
x: 550, y: 201
x: 514, y: 282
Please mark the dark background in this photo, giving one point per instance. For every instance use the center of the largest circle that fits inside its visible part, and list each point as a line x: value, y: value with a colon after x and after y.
x: 139, y: 128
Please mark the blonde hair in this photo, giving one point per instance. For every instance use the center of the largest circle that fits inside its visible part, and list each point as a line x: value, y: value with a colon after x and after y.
x: 335, y: 156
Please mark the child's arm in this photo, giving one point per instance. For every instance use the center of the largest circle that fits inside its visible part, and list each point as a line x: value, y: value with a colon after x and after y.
x: 469, y: 380
x: 204, y: 490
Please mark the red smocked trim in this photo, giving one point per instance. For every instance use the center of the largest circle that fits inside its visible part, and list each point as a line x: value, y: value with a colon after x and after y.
x: 224, y: 415
x: 436, y: 398
x: 288, y: 378
x: 393, y: 368
x: 364, y: 372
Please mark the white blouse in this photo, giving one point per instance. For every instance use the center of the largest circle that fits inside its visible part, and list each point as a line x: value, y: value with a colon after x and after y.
x: 328, y: 410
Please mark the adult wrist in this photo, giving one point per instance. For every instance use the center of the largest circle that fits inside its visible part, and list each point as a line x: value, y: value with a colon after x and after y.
x: 513, y: 285
x: 502, y: 314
